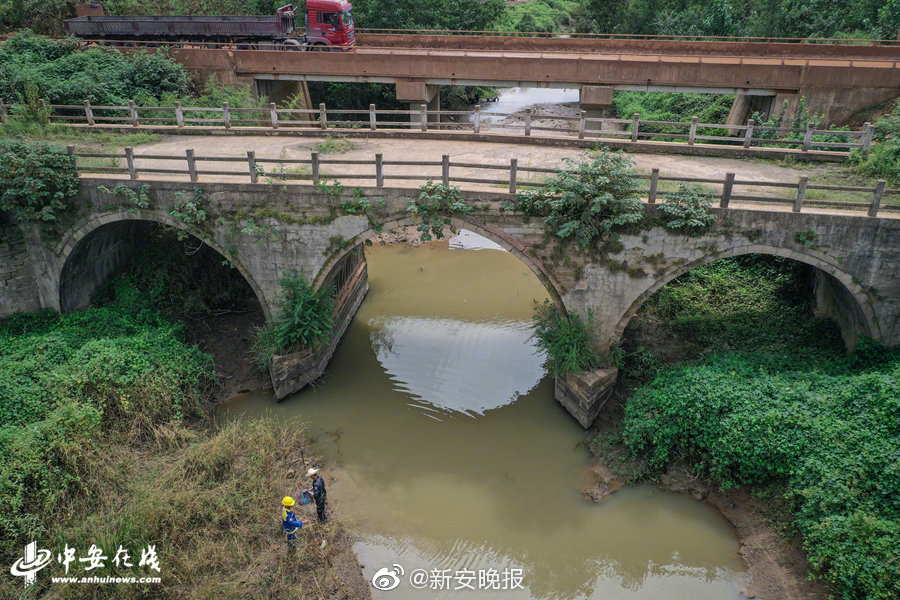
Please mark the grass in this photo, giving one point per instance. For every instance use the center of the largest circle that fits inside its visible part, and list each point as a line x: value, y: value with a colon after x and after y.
x: 333, y: 145
x: 538, y: 15
x: 82, y: 139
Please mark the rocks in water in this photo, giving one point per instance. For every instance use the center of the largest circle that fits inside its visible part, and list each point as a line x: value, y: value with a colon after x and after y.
x: 605, y: 483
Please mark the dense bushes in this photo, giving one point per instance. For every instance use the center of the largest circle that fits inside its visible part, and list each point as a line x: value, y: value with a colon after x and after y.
x: 37, y: 180
x: 829, y: 429
x: 66, y: 383
x: 883, y: 160
x: 588, y: 201
x: 772, y: 398
x: 63, y: 73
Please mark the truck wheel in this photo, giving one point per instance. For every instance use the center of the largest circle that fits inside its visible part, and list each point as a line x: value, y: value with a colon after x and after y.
x: 290, y: 45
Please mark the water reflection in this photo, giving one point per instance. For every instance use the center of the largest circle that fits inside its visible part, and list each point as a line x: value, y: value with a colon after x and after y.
x: 445, y: 449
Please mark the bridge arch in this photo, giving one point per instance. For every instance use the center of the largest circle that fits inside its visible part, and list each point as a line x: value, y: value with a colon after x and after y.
x: 98, y: 241
x: 864, y: 314
x: 495, y: 234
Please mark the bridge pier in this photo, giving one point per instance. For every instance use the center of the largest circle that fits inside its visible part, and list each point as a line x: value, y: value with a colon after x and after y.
x: 596, y: 101
x: 745, y: 105
x: 280, y: 91
x: 417, y: 93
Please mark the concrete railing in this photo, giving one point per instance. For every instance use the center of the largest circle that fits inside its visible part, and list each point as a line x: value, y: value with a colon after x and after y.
x: 508, y: 176
x: 177, y: 117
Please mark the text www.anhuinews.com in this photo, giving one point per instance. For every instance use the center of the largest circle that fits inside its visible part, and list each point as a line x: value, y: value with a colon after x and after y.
x: 106, y: 579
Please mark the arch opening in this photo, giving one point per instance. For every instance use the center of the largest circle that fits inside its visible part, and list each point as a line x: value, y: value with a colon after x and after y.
x: 185, y: 278
x: 749, y: 302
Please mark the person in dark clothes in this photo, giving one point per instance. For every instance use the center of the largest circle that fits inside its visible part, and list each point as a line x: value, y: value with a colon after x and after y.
x: 318, y: 493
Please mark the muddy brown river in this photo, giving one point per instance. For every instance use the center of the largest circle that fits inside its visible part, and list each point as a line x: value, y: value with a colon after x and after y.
x: 446, y: 454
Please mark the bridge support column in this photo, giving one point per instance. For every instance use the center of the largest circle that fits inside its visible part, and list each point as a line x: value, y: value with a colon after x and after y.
x: 279, y: 91
x: 838, y: 105
x: 584, y: 394
x: 417, y: 93
x: 596, y: 101
x: 745, y: 105
x: 292, y: 372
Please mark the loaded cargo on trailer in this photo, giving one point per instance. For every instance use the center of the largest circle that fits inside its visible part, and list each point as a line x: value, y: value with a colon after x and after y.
x: 329, y: 24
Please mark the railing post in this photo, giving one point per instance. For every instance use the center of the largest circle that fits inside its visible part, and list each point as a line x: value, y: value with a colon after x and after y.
x: 513, y: 174
x: 179, y: 115
x: 379, y: 170
x: 581, y: 124
x: 372, y: 118
x: 424, y: 112
x: 866, y: 139
x: 251, y: 162
x: 315, y: 167
x: 4, y: 116
x: 476, y: 119
x: 876, y: 198
x: 635, y: 124
x: 801, y: 193
x: 807, y: 137
x: 129, y: 158
x: 654, y: 184
x: 134, y: 113
x: 726, y: 190
x: 226, y: 115
x: 273, y: 115
x: 693, y: 132
x: 192, y: 165
x: 748, y: 133
x: 445, y: 169
x: 70, y: 150
x: 323, y: 116
x: 88, y: 113
x: 528, y: 123
x: 44, y: 110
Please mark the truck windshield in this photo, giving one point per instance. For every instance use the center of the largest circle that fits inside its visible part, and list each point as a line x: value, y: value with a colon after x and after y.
x: 347, y: 18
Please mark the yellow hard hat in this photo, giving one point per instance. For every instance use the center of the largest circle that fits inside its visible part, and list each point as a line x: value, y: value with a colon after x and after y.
x: 288, y: 501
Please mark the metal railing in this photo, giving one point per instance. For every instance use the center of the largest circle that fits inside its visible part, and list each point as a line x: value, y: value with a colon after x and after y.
x: 178, y: 117
x: 512, y: 177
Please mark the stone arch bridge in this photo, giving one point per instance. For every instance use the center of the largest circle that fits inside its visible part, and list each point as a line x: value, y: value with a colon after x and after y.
x: 856, y: 259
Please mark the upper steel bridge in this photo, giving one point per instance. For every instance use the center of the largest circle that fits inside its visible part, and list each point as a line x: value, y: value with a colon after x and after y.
x: 836, y: 79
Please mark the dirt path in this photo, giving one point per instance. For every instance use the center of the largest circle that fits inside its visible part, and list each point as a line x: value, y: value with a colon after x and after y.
x: 272, y: 147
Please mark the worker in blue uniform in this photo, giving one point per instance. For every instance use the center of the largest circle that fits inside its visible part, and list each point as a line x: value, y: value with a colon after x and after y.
x: 318, y: 493
x: 289, y: 521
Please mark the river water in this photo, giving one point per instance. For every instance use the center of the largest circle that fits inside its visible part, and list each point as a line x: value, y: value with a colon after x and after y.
x: 445, y: 450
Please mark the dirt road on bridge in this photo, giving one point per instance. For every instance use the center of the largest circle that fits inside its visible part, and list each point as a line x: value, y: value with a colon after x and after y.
x: 272, y: 147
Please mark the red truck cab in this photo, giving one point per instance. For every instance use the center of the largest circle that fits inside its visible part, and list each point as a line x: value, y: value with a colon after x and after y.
x: 329, y: 23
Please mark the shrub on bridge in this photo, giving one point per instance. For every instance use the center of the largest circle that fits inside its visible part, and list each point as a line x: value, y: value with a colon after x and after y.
x: 687, y: 209
x: 568, y: 340
x: 38, y: 181
x: 305, y: 320
x: 588, y: 201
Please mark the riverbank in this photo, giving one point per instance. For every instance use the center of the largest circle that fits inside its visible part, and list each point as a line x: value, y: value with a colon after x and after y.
x: 777, y: 565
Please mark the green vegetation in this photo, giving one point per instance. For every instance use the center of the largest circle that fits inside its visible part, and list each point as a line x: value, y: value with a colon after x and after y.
x: 333, y: 145
x: 883, y: 159
x: 70, y: 383
x: 687, y: 209
x: 670, y: 106
x: 61, y: 72
x: 567, y: 340
x: 434, y: 207
x: 768, y: 398
x: 305, y: 320
x: 38, y: 181
x: 538, y: 16
x: 588, y: 201
x: 767, y: 18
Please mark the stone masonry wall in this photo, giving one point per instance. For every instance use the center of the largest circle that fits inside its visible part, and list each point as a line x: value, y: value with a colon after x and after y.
x: 18, y: 289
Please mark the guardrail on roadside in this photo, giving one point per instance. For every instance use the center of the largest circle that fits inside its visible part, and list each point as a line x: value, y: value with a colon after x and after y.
x: 749, y: 135
x: 257, y: 170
